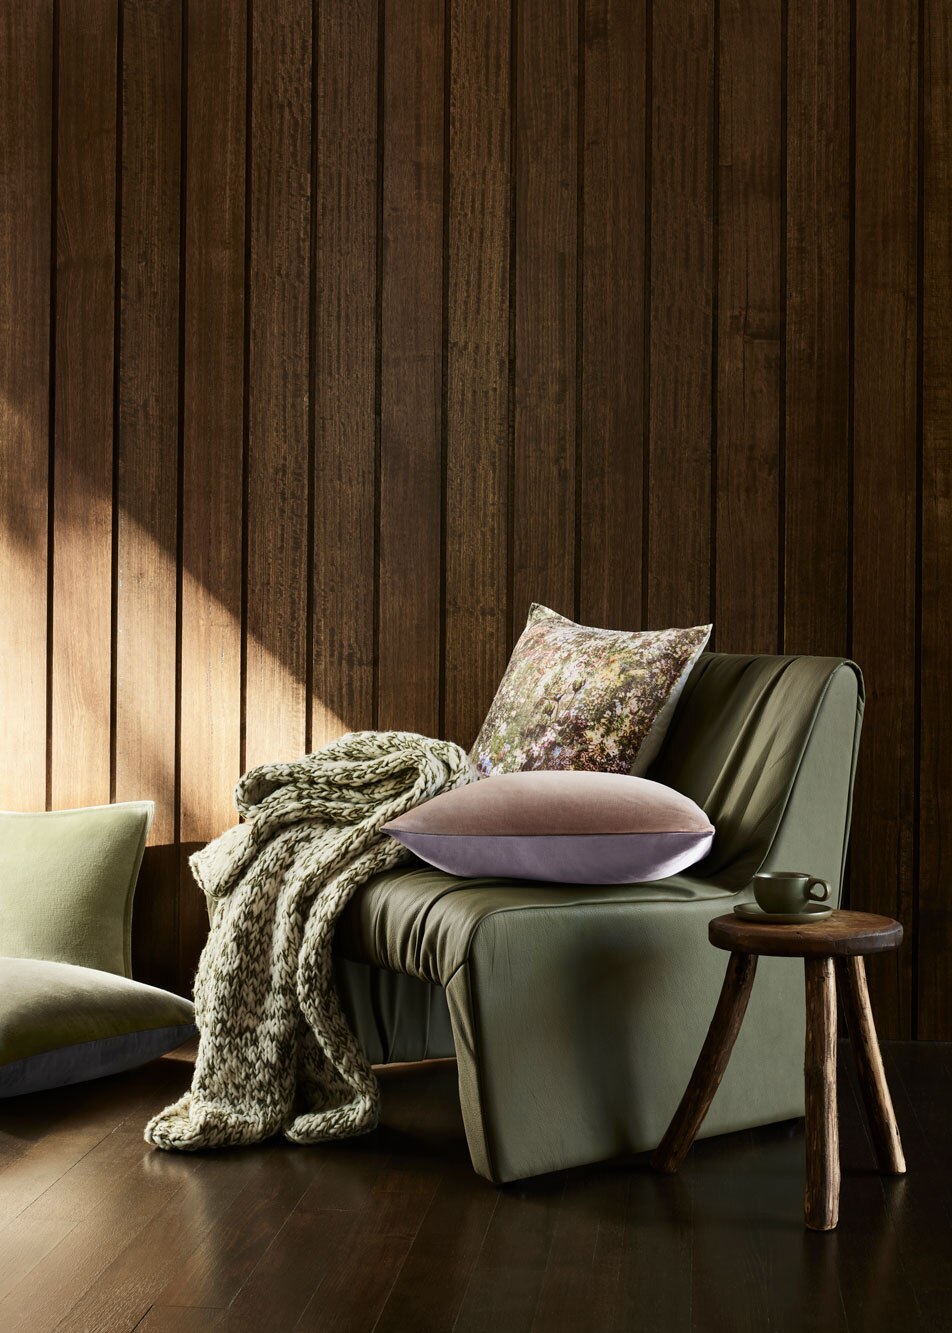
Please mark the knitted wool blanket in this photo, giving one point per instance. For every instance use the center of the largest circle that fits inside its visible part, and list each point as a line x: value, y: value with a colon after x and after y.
x: 275, y: 1052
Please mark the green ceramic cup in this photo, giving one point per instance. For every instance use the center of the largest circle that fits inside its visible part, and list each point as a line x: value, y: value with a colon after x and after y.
x: 789, y: 891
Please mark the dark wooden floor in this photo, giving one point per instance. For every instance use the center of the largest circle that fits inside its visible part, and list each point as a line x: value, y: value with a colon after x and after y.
x: 394, y: 1231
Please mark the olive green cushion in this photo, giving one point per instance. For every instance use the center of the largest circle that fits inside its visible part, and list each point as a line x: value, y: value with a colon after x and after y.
x: 61, y: 1024
x: 67, y: 879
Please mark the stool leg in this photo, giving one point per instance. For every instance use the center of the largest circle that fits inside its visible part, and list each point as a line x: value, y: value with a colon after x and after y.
x: 869, y: 1064
x: 821, y: 1202
x: 711, y: 1063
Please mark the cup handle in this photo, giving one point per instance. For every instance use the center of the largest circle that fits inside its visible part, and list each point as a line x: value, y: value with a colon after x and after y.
x: 818, y: 897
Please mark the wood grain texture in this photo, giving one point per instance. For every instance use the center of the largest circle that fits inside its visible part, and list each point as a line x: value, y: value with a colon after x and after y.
x: 821, y: 1198
x: 613, y: 306
x: 284, y: 1276
x: 147, y: 481
x: 884, y: 480
x: 345, y: 238
x: 477, y: 365
x: 680, y: 553
x: 589, y: 1283
x: 435, y: 1276
x: 278, y: 381
x: 123, y: 1290
x: 88, y: 1204
x: 935, y: 855
x: 411, y: 358
x: 506, y: 1283
x: 841, y: 933
x: 543, y: 495
x: 817, y: 392
x: 212, y: 441
x: 749, y: 325
x: 614, y: 1249
x: 356, y: 1291
x: 266, y: 1190
x: 613, y: 406
x: 26, y: 73
x: 854, y: 995
x: 81, y: 665
x: 179, y: 1319
x: 711, y: 1064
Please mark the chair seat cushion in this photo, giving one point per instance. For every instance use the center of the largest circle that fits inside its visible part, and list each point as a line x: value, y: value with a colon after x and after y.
x: 421, y: 921
x: 62, y: 1024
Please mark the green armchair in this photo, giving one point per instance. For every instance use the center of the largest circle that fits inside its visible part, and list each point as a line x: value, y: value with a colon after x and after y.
x: 576, y: 1013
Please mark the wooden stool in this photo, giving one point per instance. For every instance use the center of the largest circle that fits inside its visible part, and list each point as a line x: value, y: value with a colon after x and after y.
x: 835, y: 945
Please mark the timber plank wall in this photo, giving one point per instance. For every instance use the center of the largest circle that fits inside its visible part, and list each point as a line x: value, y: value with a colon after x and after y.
x: 332, y: 334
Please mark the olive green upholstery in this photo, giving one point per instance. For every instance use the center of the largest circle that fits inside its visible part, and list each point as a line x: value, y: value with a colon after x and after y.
x: 576, y: 1013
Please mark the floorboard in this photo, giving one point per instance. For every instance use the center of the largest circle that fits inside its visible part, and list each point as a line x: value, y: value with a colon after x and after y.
x: 100, y: 1233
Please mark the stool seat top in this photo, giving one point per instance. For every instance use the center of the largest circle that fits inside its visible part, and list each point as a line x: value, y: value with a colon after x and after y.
x: 841, y: 934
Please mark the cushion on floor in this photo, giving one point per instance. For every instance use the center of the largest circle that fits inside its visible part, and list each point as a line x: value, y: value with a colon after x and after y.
x: 62, y: 1024
x: 67, y: 879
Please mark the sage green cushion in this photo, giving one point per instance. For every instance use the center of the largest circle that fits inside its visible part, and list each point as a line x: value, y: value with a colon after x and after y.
x: 67, y: 878
x: 61, y: 1024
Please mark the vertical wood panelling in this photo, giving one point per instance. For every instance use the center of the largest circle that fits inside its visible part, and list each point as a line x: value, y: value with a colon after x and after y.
x: 543, y: 496
x: 477, y: 364
x: 344, y: 411
x: 408, y: 681
x: 613, y: 406
x: 26, y: 109
x: 146, y: 594
x: 816, y: 524
x: 430, y: 309
x: 682, y: 285
x: 749, y: 325
x: 935, y: 861
x: 83, y: 456
x: 278, y: 381
x: 212, y: 431
x: 884, y: 487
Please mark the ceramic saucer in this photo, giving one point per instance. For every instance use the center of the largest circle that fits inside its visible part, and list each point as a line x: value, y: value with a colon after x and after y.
x: 813, y: 912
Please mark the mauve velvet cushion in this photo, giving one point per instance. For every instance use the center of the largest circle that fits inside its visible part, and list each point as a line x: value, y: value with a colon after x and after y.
x: 558, y: 826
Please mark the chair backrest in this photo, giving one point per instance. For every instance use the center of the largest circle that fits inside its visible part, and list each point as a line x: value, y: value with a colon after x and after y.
x: 767, y: 746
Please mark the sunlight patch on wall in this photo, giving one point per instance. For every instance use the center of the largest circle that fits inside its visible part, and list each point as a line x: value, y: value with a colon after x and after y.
x: 23, y: 541
x: 146, y: 708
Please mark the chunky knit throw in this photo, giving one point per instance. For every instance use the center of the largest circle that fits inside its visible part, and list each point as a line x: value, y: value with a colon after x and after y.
x: 275, y: 1051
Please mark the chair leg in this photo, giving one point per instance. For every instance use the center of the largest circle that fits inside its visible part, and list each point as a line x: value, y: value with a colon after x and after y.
x: 711, y: 1063
x: 854, y: 993
x: 821, y: 1202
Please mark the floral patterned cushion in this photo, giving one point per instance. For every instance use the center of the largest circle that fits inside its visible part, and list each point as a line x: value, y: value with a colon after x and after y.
x: 574, y: 697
